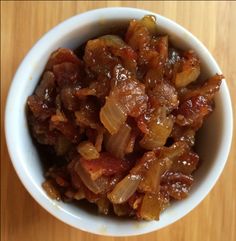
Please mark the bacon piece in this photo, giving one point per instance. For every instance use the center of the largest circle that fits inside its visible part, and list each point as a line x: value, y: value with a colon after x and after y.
x: 106, y: 165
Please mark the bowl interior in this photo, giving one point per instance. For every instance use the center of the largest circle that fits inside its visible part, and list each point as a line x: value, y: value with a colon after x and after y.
x: 212, y: 143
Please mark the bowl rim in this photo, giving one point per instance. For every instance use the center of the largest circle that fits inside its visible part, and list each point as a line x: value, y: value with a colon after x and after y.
x: 30, y: 185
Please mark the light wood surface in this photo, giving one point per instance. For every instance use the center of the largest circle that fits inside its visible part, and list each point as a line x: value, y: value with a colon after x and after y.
x: 23, y: 23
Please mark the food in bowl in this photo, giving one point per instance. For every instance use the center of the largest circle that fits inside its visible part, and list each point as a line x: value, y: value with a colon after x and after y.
x: 119, y: 119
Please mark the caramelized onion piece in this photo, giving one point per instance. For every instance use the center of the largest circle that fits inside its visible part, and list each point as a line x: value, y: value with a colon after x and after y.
x: 161, y: 44
x: 190, y: 70
x: 87, y: 150
x: 151, y: 174
x: 113, y: 41
x: 99, y: 139
x: 138, y: 35
x: 150, y: 208
x: 160, y: 127
x: 112, y: 115
x: 84, y: 92
x: 116, y: 144
x: 165, y: 165
x: 180, y: 133
x: 152, y: 205
x: 175, y: 150
x: 124, y: 189
x: 131, y: 143
x: 187, y: 76
x: 149, y: 22
x: 150, y: 167
x: 86, y: 178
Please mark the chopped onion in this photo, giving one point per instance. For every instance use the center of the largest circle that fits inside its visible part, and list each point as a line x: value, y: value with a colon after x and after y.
x: 113, y: 41
x: 150, y: 182
x: 151, y: 207
x: 150, y: 23
x: 112, y: 115
x: 130, y: 146
x: 116, y: 144
x: 124, y: 189
x: 99, y: 139
x: 187, y: 76
x: 85, y: 177
x: 148, y: 167
x: 160, y: 127
x: 190, y: 70
x: 176, y: 150
x: 84, y: 92
x: 87, y: 150
x: 165, y: 165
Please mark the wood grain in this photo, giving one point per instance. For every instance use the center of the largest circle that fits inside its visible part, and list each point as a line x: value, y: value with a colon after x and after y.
x: 23, y: 23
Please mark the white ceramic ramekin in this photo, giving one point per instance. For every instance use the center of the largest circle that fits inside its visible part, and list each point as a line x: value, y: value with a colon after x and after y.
x: 213, y: 142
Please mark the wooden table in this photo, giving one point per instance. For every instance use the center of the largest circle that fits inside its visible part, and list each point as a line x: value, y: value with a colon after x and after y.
x: 22, y: 24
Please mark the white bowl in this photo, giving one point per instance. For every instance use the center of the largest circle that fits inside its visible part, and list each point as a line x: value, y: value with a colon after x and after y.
x: 213, y: 143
